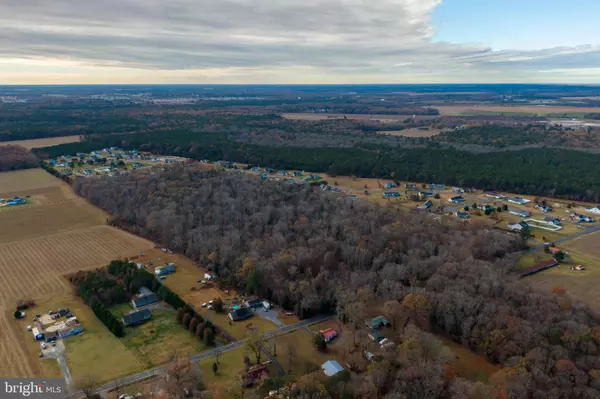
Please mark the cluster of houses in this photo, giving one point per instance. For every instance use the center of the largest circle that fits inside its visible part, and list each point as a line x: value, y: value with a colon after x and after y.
x: 140, y: 304
x: 49, y: 328
x: 245, y: 311
x: 12, y: 202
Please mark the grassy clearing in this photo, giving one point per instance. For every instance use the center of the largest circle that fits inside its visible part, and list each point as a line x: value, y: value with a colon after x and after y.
x: 306, y: 358
x: 468, y: 364
x: 97, y: 351
x: 156, y: 341
x: 230, y: 364
x: 580, y: 285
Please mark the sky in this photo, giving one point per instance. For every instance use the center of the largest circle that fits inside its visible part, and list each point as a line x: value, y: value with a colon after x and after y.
x: 291, y: 41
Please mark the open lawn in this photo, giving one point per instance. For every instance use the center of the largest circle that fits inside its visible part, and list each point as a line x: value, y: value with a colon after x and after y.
x: 46, y: 142
x: 580, y: 285
x: 589, y: 244
x: 230, y: 364
x: 305, y: 357
x: 96, y: 352
x: 156, y: 341
x: 457, y: 110
x: 468, y: 364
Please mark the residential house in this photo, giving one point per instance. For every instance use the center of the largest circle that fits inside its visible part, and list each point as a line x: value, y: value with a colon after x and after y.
x: 254, y: 302
x: 391, y: 194
x: 582, y: 218
x: 164, y: 270
x: 553, y: 220
x: 426, y: 194
x: 297, y: 174
x: 520, y: 213
x: 543, y: 208
x: 493, y: 194
x: 283, y: 173
x: 518, y: 200
x: 135, y: 318
x: 145, y: 291
x: 329, y: 334
x: 377, y: 322
x: 457, y: 199
x: 389, y: 186
x: 426, y: 205
x: 255, y: 169
x: 87, y: 172
x: 518, y: 226
x: 434, y: 186
x: 462, y: 215
x: 257, y: 372
x: 386, y: 343
x: 458, y: 190
x: 240, y: 314
x: 144, y: 300
x: 594, y: 209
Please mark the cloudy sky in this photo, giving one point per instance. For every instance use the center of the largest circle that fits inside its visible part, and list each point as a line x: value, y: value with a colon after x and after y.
x: 299, y: 41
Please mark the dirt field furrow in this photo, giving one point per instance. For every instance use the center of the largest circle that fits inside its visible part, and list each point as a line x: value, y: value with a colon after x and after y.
x: 56, y: 234
x: 15, y: 363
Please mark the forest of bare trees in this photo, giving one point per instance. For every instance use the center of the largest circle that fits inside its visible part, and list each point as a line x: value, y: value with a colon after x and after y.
x: 13, y: 157
x: 314, y: 252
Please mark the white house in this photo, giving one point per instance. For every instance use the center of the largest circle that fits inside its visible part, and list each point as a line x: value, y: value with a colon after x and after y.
x: 518, y: 226
x: 595, y: 209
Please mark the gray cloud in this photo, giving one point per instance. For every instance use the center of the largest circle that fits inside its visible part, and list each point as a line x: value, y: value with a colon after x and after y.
x: 385, y: 39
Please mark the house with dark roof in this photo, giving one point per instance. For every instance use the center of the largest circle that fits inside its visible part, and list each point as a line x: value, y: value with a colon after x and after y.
x: 240, y: 314
x: 463, y: 215
x: 144, y: 300
x: 457, y: 199
x: 377, y: 322
x: 518, y: 212
x: 254, y: 302
x: 135, y: 318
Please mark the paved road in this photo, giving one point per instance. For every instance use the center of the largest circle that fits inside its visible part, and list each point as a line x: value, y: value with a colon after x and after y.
x: 587, y: 231
x: 195, y: 358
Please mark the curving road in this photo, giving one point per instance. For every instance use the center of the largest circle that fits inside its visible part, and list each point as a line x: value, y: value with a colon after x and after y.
x: 105, y: 388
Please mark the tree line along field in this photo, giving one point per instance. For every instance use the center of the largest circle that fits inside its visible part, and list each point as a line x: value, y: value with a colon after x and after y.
x: 57, y: 233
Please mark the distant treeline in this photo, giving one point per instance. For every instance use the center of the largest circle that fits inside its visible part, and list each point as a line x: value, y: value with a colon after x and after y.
x: 13, y: 157
x: 548, y: 172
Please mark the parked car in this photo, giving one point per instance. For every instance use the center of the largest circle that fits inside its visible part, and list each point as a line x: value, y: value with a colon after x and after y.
x: 44, y: 346
x: 204, y: 305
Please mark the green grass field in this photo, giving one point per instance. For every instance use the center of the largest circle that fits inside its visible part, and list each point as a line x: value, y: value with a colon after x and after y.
x: 158, y: 340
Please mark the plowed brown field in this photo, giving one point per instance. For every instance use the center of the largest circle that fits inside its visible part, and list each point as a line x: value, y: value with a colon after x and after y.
x: 58, y: 233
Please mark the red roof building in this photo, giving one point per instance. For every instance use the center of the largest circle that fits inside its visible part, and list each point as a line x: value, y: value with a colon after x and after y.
x: 329, y: 334
x: 538, y: 268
